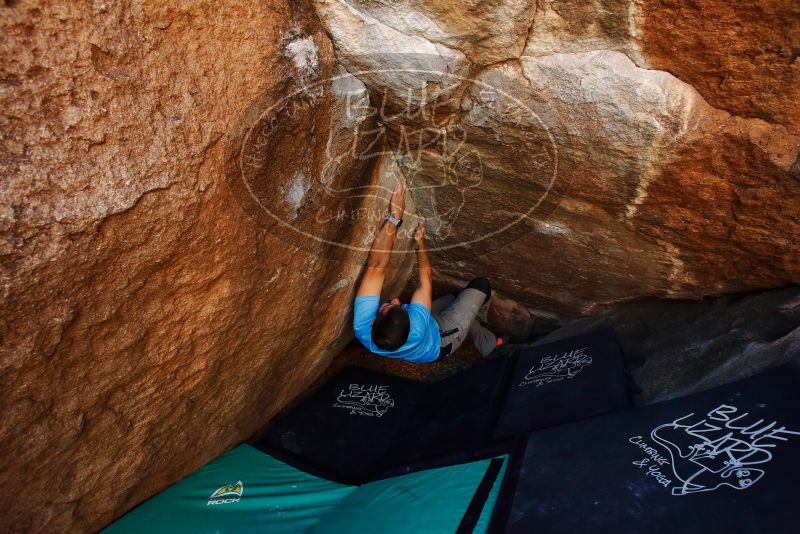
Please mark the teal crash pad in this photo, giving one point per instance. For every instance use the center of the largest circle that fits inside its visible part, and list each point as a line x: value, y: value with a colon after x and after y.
x: 245, y: 491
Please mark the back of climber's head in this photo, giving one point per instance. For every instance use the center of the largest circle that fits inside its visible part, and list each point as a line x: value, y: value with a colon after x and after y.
x: 391, y: 327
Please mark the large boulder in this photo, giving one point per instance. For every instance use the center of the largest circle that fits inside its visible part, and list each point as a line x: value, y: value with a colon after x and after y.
x: 162, y: 297
x: 602, y: 162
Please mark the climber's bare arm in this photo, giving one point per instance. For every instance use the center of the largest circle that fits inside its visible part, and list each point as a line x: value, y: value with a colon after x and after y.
x: 424, y: 293
x: 381, y: 251
x: 379, y: 254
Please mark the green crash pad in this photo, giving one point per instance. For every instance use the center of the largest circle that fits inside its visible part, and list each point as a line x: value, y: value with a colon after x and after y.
x: 245, y: 490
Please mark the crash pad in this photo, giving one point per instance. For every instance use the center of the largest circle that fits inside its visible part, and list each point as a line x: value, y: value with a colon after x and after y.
x: 564, y: 381
x: 725, y: 460
x: 363, y: 424
x: 247, y: 491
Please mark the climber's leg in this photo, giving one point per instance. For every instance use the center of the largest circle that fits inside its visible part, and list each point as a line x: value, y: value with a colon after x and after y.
x: 483, y: 285
x: 483, y: 338
x: 456, y: 319
x: 442, y: 302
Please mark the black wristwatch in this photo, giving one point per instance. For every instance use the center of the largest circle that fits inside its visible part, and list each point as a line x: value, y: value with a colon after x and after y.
x: 392, y: 219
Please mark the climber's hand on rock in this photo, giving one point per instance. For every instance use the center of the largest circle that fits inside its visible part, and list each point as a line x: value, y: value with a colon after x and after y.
x: 397, y: 205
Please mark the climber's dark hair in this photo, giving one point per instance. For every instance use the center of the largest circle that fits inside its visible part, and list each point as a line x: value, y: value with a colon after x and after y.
x: 390, y: 331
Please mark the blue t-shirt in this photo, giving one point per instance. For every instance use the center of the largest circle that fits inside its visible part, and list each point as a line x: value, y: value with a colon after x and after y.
x: 422, y: 345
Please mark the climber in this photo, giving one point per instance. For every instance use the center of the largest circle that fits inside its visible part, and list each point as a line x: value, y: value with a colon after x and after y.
x: 422, y: 331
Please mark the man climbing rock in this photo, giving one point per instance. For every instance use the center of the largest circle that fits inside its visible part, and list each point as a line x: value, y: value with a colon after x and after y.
x: 421, y: 331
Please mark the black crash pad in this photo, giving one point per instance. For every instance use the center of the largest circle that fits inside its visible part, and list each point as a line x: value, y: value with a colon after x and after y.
x: 343, y: 430
x: 726, y: 460
x: 564, y: 381
x: 452, y: 421
x: 363, y: 425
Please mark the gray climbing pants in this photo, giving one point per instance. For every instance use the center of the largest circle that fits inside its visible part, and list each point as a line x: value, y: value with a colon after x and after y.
x: 457, y: 317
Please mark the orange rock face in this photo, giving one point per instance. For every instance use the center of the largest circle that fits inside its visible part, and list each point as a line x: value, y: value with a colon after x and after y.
x: 148, y: 321
x: 631, y: 149
x: 742, y: 57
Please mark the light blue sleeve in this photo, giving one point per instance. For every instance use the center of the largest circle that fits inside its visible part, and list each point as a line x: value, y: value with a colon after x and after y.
x: 422, y: 313
x: 364, y: 311
x: 426, y: 333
